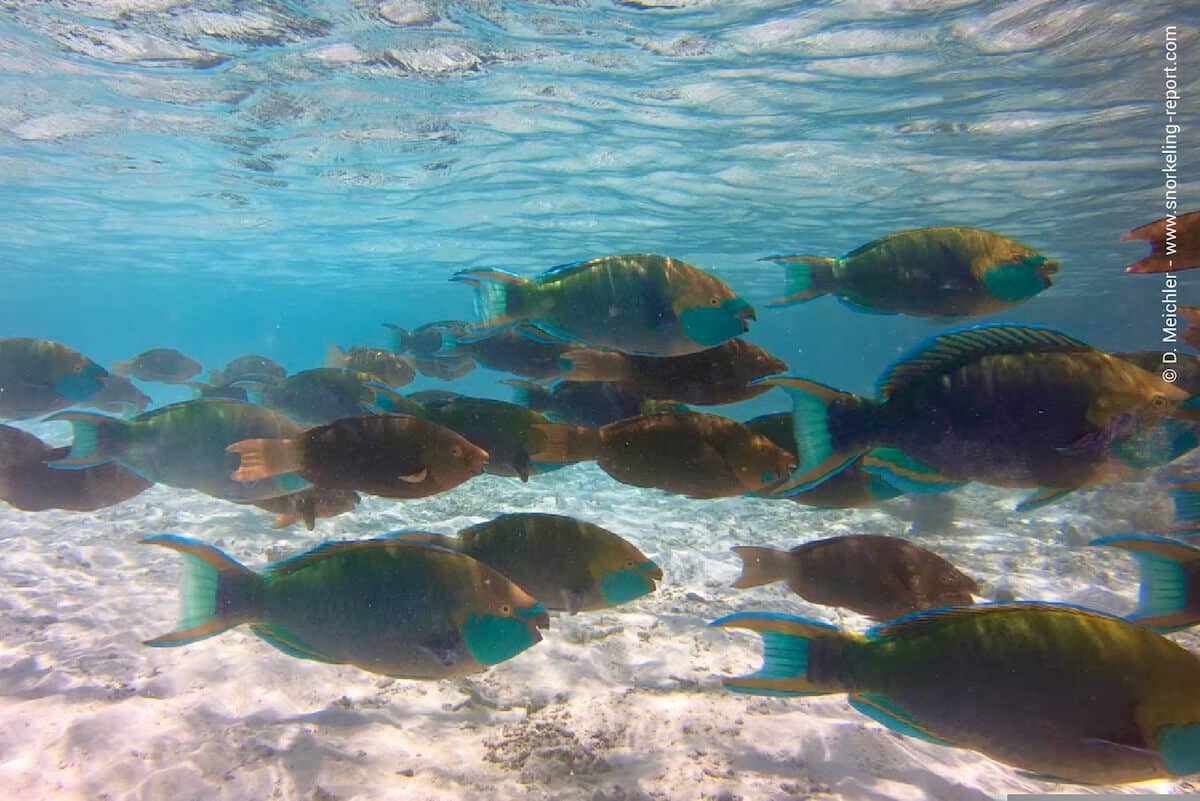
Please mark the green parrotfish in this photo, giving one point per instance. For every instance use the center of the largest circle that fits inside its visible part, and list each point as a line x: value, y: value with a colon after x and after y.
x: 163, y: 365
x: 508, y: 432
x: 1066, y: 693
x: 38, y: 376
x: 930, y: 272
x: 400, y: 609
x: 635, y: 303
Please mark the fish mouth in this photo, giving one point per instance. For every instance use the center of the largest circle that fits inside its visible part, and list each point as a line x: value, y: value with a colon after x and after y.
x: 655, y: 574
x: 541, y: 620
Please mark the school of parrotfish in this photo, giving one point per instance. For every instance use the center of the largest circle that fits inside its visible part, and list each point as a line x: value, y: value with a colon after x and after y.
x: 609, y: 355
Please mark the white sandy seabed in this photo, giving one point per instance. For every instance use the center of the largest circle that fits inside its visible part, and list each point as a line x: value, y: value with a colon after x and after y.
x: 611, y: 706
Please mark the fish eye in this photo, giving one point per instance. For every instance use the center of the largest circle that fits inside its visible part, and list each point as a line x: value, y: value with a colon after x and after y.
x: 629, y: 563
x: 1158, y: 401
x: 714, y: 301
x: 505, y: 609
x: 456, y: 451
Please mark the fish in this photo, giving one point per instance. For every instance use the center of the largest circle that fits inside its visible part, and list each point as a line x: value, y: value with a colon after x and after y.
x: 579, y: 402
x: 1007, y: 405
x: 162, y: 365
x: 324, y: 394
x: 1186, y: 367
x: 309, y: 506
x: 38, y: 377
x: 426, y: 341
x: 711, y: 377
x: 445, y: 368
x: 1185, y: 495
x: 520, y: 350
x: 690, y: 453
x: 850, y: 488
x: 255, y: 368
x: 27, y: 483
x: 427, y: 395
x: 1182, y: 232
x: 635, y: 303
x: 387, y: 367
x: 237, y: 392
x: 398, y: 609
x: 1169, y: 591
x: 505, y: 430
x: 182, y: 445
x: 950, y: 272
x: 118, y: 395
x: 569, y: 565
x: 391, y: 455
x: 881, y: 577
x: 1065, y: 693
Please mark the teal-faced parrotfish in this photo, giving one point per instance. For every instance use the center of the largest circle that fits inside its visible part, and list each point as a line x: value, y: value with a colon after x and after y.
x: 1011, y: 406
x: 881, y: 577
x: 1184, y: 233
x: 690, y: 453
x: 400, y: 609
x: 162, y: 365
x: 1066, y: 693
x: 711, y: 377
x: 930, y: 272
x: 569, y: 565
x: 182, y: 445
x: 38, y: 376
x: 634, y: 303
x: 393, y: 456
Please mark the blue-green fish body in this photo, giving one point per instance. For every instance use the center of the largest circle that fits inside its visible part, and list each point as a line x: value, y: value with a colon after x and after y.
x: 1055, y: 690
x: 183, y: 445
x: 38, y: 377
x: 324, y: 394
x: 930, y: 272
x: 634, y: 303
x: 400, y: 609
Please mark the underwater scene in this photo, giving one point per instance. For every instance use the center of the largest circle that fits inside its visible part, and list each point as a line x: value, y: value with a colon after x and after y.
x: 598, y: 399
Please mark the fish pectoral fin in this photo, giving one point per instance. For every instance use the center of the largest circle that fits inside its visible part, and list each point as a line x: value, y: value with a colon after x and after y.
x: 1043, y: 497
x: 290, y: 644
x: 415, y: 478
x: 572, y: 600
x: 883, y: 710
x: 444, y: 652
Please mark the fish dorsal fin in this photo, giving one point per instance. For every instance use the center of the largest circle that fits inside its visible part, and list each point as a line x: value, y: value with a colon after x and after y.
x: 947, y: 351
x: 564, y: 270
x: 293, y: 564
x: 913, y: 624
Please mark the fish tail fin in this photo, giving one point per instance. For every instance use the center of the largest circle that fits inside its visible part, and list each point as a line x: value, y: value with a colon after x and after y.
x: 123, y: 369
x: 594, y: 365
x: 1163, y: 594
x: 381, y: 399
x: 285, y: 520
x: 334, y: 356
x: 208, y: 575
x: 498, y: 297
x: 787, y: 644
x: 530, y: 395
x: 264, y: 458
x: 905, y: 473
x: 401, y: 339
x: 1186, y: 497
x: 812, y: 413
x: 96, y: 439
x: 760, y: 566
x: 567, y: 444
x: 807, y: 277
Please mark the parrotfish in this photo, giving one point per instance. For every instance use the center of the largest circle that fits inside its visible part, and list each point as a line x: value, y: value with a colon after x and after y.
x: 1066, y: 693
x: 521, y: 350
x: 426, y: 344
x: 27, y: 483
x: 388, y: 368
x: 400, y: 609
x: 1181, y: 233
x: 325, y: 394
x: 163, y: 365
x: 254, y: 368
x: 38, y: 377
x: 393, y: 455
x: 850, y: 488
x: 635, y: 303
x: 690, y: 453
x: 582, y: 403
x: 118, y: 395
x: 1007, y: 405
x: 505, y: 430
x: 309, y: 506
x: 1169, y: 595
x: 880, y: 577
x: 711, y: 377
x: 567, y: 564
x: 182, y: 445
x: 930, y: 272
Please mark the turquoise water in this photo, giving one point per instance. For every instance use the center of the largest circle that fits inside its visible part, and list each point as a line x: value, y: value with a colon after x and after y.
x: 228, y: 178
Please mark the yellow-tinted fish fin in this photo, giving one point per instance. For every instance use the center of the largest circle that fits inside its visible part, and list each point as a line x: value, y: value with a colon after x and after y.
x: 1163, y: 597
x: 808, y: 277
x: 415, y: 478
x: 595, y: 365
x: 566, y: 444
x: 786, y: 643
x: 760, y: 566
x: 334, y: 356
x: 283, y: 521
x: 285, y: 641
x: 264, y: 458
x: 123, y: 369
